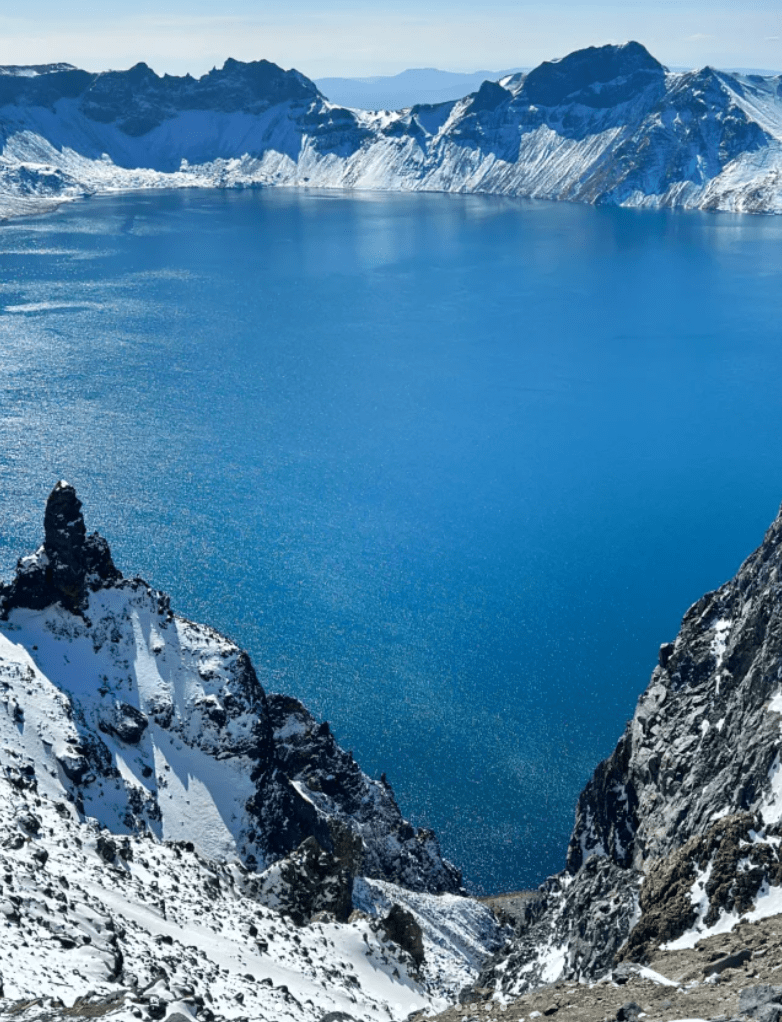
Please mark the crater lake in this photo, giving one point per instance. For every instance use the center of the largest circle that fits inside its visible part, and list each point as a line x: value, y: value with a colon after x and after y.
x: 450, y: 467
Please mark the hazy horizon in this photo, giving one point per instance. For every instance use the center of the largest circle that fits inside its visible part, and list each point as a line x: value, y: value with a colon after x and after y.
x: 348, y: 38
x: 369, y: 78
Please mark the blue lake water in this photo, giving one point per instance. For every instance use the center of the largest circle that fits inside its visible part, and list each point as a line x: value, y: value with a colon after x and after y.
x: 450, y: 467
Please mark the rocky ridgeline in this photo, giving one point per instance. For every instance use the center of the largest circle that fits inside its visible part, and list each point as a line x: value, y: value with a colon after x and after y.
x: 605, y: 124
x: 678, y: 833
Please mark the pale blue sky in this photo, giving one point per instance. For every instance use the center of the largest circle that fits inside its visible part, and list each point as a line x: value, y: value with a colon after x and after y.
x: 357, y: 37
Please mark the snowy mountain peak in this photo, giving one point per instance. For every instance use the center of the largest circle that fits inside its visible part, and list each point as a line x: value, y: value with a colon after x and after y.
x: 605, y: 124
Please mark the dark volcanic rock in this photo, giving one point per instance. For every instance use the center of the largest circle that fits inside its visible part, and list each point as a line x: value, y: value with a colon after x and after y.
x: 401, y: 927
x: 352, y: 816
x: 67, y: 564
x: 128, y: 723
x: 307, y: 881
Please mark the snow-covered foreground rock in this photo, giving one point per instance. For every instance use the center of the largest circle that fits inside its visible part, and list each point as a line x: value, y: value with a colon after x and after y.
x: 602, y: 125
x: 173, y: 838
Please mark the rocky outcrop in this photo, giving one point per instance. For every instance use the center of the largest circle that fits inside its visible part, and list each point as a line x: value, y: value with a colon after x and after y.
x: 705, y: 738
x: 66, y: 566
x: 573, y: 931
x: 728, y: 866
x: 137, y: 713
x: 349, y: 806
x: 401, y: 927
x: 305, y: 883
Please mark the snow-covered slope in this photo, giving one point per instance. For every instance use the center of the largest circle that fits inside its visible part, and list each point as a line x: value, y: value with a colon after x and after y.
x: 606, y: 124
x: 157, y: 927
x: 161, y: 818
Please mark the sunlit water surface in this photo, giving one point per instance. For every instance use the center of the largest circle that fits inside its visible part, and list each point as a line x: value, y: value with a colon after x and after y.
x: 450, y: 467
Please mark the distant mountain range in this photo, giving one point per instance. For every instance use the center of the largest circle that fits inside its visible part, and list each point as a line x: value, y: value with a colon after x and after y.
x: 606, y: 124
x: 430, y: 85
x: 416, y: 85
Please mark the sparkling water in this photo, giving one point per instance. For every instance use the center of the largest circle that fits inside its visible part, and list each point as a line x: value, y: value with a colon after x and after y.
x: 450, y: 467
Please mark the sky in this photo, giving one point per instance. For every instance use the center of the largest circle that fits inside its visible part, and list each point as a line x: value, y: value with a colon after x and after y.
x: 363, y: 37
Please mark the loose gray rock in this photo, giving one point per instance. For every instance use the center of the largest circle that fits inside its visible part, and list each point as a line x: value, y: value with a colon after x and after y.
x: 728, y: 962
x: 628, y: 1012
x: 753, y: 998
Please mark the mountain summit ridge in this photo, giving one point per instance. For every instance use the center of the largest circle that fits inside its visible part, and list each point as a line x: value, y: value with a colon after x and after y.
x: 605, y: 124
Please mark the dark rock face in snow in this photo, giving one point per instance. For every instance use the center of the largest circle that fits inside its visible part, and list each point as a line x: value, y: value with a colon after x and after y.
x: 400, y: 926
x: 705, y: 738
x: 679, y: 830
x: 66, y: 565
x: 306, y: 882
x: 349, y: 805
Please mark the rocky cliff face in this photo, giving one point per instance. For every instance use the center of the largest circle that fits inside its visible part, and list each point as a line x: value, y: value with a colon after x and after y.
x: 678, y: 833
x: 603, y: 125
x: 148, y: 722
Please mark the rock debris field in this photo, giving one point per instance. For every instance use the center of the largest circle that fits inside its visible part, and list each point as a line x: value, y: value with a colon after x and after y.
x: 736, y: 975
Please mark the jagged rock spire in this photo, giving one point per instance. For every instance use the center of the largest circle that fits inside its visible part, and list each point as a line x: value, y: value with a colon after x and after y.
x: 68, y: 563
x: 65, y: 535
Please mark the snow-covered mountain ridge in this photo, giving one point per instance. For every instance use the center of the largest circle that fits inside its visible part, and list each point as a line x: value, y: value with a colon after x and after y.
x: 602, y: 125
x: 165, y: 825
